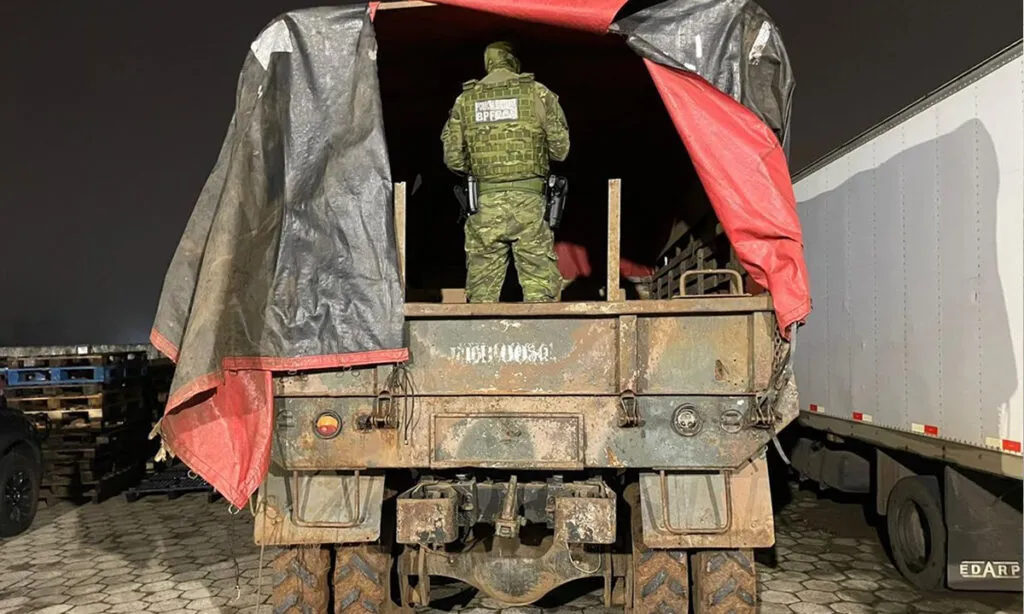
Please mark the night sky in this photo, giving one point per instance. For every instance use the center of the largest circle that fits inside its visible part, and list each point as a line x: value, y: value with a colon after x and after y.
x: 113, y: 114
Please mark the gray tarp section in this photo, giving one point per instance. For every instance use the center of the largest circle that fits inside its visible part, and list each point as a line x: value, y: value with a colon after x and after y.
x: 290, y: 250
x: 733, y: 45
x: 289, y: 260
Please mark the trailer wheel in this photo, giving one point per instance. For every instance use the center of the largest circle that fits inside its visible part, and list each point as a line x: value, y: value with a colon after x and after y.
x: 660, y: 578
x: 300, y: 580
x: 724, y: 581
x: 917, y: 531
x: 362, y: 579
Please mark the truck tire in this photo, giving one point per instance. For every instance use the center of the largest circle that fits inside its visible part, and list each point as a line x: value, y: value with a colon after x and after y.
x: 362, y: 579
x: 724, y: 581
x: 660, y: 579
x: 300, y: 581
x: 917, y: 531
x: 19, y: 491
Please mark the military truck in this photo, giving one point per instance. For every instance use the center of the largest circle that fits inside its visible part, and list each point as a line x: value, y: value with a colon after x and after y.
x: 410, y: 436
x: 525, y: 446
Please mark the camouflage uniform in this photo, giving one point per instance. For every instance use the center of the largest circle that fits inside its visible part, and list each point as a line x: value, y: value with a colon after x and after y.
x: 504, y: 129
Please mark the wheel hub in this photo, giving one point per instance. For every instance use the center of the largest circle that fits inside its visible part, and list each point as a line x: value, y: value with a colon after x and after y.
x: 18, y: 496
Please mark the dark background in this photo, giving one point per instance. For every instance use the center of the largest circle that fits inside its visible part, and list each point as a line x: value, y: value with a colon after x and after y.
x: 113, y: 114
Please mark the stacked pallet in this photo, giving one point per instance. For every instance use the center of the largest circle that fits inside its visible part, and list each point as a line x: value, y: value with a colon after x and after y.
x: 93, y: 412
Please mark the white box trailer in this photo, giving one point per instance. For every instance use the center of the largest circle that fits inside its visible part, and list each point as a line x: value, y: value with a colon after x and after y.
x: 911, y: 364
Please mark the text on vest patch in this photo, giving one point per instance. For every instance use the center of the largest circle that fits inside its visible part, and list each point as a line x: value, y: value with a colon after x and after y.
x: 505, y: 109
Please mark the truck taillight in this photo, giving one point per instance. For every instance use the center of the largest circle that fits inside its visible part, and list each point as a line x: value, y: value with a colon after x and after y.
x: 327, y: 425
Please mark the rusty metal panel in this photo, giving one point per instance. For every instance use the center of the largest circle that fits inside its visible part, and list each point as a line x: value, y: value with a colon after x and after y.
x: 296, y: 445
x: 658, y: 443
x: 514, y: 356
x: 706, y: 306
x: 586, y: 520
x: 763, y: 332
x: 327, y: 498
x: 507, y: 440
x: 751, y: 525
x: 426, y: 520
x: 695, y: 355
x: 352, y: 382
x: 566, y: 432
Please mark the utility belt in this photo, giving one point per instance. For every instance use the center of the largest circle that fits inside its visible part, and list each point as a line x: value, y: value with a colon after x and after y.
x: 554, y: 190
x: 533, y: 185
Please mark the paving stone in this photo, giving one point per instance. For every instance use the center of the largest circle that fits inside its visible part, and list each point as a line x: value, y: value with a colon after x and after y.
x: 132, y: 607
x: 896, y: 596
x: 54, y: 609
x: 812, y: 596
x: 124, y: 597
x: 773, y: 608
x: 85, y: 589
x: 784, y: 586
x: 210, y: 603
x: 170, y: 606
x: 848, y: 607
x: 810, y: 608
x: 856, y: 596
x: 188, y: 576
x: 11, y: 603
x: 778, y: 597
x: 201, y: 593
x: 892, y: 608
x: 821, y: 585
x: 49, y: 600
x: 862, y: 585
x: 156, y: 587
x: 863, y: 574
x: 78, y: 600
x: 92, y: 608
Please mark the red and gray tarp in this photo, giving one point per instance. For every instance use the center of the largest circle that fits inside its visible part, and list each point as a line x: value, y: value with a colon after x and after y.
x: 288, y: 262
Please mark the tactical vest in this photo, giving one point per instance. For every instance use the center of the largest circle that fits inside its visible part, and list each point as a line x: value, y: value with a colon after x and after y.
x: 504, y: 134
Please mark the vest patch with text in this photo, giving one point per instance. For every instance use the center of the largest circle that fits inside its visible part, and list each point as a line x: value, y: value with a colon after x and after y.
x: 504, y: 109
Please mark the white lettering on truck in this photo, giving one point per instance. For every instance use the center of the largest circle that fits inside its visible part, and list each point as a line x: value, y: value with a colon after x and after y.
x: 504, y: 353
x: 979, y: 570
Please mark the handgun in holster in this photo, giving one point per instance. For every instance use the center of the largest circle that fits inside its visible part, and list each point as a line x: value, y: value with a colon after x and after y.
x: 555, y: 190
x: 468, y: 197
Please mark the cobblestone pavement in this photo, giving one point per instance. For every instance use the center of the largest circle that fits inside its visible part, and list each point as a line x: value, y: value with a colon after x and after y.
x: 156, y: 555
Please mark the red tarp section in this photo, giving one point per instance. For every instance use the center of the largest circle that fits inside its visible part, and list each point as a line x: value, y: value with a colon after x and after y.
x: 746, y: 177
x: 590, y: 15
x: 231, y: 416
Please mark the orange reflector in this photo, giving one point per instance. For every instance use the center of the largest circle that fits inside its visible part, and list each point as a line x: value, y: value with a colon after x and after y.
x: 327, y: 425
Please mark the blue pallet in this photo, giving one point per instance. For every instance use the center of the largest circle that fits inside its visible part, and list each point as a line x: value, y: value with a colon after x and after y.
x: 56, y: 376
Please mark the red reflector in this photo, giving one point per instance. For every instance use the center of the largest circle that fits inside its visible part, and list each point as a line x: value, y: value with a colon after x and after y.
x: 327, y: 425
x: 858, y: 415
x: 1011, y: 446
x: 931, y: 430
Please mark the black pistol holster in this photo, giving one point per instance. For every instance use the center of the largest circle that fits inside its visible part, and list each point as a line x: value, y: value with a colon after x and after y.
x: 468, y: 197
x: 555, y: 190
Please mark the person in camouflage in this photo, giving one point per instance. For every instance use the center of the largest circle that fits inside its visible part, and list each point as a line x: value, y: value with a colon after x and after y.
x: 504, y: 129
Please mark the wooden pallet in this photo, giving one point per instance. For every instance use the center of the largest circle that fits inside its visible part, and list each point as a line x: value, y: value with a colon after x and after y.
x: 99, y: 491
x: 89, y: 360
x: 119, y: 398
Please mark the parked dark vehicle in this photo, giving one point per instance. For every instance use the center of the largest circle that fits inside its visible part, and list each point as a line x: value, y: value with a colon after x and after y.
x: 20, y: 470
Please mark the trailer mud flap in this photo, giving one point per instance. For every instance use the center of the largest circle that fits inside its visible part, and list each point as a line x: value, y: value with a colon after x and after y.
x: 303, y: 507
x: 708, y: 509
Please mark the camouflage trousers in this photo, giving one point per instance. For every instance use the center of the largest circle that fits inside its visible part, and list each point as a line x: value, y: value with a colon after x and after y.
x: 511, y: 221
